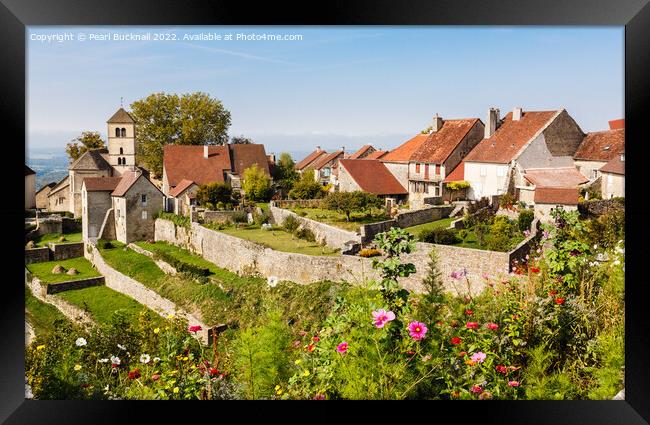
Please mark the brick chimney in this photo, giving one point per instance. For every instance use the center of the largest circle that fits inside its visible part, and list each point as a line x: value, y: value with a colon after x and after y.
x: 617, y: 124
x: 437, y: 123
x: 491, y: 122
x: 205, y: 151
x: 516, y: 114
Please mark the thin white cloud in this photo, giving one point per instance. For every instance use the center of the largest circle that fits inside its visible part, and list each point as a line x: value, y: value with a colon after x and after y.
x: 237, y: 53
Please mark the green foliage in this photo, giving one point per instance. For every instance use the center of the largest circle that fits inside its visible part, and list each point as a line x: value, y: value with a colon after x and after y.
x: 261, y: 357
x: 256, y: 184
x: 214, y: 193
x: 349, y: 202
x: 507, y: 200
x: 434, y: 295
x: 241, y: 140
x: 307, y: 187
x: 545, y: 384
x: 501, y: 232
x: 394, y: 243
x: 457, y: 186
x: 607, y: 229
x: 186, y: 119
x: 290, y: 223
x: 191, y: 270
x: 439, y: 235
x: 306, y: 234
x: 179, y: 220
x: 285, y: 172
x: 525, y: 219
x: 88, y: 140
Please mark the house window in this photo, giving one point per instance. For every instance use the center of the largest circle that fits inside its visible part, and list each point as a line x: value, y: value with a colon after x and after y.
x: 438, y: 169
x: 117, y: 132
x: 417, y: 167
x: 119, y: 161
x: 123, y: 132
x: 121, y: 151
x: 144, y: 215
x: 483, y: 170
x: 143, y: 200
x: 501, y: 172
x: 118, y: 213
x: 594, y: 174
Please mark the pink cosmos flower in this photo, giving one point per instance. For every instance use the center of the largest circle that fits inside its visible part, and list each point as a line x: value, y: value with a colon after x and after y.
x: 342, y: 347
x: 471, y: 325
x: 513, y: 383
x: 381, y: 317
x: 479, y: 357
x: 476, y: 389
x: 417, y: 330
x: 492, y: 326
x: 194, y: 329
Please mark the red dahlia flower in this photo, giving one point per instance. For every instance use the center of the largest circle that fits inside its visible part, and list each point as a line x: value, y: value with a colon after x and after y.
x: 456, y: 340
x: 559, y: 301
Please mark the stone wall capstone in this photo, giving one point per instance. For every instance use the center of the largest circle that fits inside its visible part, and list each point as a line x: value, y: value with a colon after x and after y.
x: 330, y: 235
x: 291, y: 203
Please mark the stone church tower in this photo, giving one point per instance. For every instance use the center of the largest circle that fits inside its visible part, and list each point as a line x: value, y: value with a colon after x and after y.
x: 121, y: 142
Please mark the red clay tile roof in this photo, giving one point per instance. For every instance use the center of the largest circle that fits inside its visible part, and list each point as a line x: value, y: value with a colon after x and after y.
x: 510, y: 137
x: 616, y: 124
x: 457, y: 174
x: 614, y: 166
x: 375, y: 155
x: 405, y: 151
x: 556, y: 195
x: 360, y: 152
x: 187, y: 162
x: 555, y: 177
x: 121, y: 117
x: 244, y: 156
x: 128, y: 179
x: 309, y: 159
x: 601, y: 145
x: 101, y: 184
x: 29, y: 171
x: 324, y: 159
x: 372, y: 176
x: 180, y: 187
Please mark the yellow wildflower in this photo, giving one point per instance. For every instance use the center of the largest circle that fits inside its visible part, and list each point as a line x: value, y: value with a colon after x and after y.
x: 185, y: 358
x: 171, y: 316
x: 277, y: 387
x: 298, y: 361
x: 40, y: 347
x: 77, y: 367
x: 279, y: 392
x: 305, y: 373
x: 156, y: 330
x: 176, y: 390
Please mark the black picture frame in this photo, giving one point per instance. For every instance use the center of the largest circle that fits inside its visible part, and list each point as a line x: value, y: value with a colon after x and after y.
x: 16, y: 15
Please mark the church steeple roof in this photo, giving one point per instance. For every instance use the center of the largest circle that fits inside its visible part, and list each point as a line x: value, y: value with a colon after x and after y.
x: 121, y: 117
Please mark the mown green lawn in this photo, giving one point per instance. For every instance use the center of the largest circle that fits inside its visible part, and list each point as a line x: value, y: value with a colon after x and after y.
x: 43, y: 271
x: 41, y: 315
x: 43, y: 240
x: 102, y: 302
x: 339, y: 220
x: 279, y: 240
x: 439, y: 224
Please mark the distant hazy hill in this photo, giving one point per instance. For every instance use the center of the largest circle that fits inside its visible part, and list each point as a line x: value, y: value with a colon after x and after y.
x: 50, y: 165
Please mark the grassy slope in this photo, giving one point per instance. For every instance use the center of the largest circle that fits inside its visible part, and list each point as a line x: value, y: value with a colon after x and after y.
x: 337, y: 219
x: 44, y: 270
x: 102, y: 302
x: 41, y: 315
x: 280, y: 241
x: 43, y: 240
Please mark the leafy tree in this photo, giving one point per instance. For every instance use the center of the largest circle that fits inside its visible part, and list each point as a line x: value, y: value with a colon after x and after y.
x: 457, y: 186
x: 214, y: 193
x: 88, y: 140
x: 307, y: 187
x: 349, y: 202
x: 256, y: 184
x: 241, y: 140
x: 188, y: 119
x: 285, y: 172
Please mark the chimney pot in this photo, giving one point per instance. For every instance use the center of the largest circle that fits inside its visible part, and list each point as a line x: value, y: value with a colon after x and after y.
x: 437, y: 123
x: 317, y: 148
x: 205, y: 151
x: 343, y: 148
x: 516, y: 114
x: 492, y: 122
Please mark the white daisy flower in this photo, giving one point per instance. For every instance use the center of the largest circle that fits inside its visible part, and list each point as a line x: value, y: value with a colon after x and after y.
x: 121, y: 347
x: 80, y: 342
x: 144, y: 358
x: 616, y: 263
x: 103, y: 360
x: 115, y: 360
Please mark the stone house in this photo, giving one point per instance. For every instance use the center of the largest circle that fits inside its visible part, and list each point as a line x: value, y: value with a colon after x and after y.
x: 58, y: 200
x: 41, y: 195
x: 363, y: 152
x: 548, y: 198
x: 210, y: 164
x: 182, y: 197
x: 30, y: 188
x: 422, y: 163
x: 519, y: 141
x: 613, y: 177
x: 325, y: 165
x: 91, y: 164
x: 547, y: 188
x: 369, y: 175
x: 598, y: 148
x: 121, y: 208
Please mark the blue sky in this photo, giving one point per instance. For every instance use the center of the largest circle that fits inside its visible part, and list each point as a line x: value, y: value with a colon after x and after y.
x: 338, y: 86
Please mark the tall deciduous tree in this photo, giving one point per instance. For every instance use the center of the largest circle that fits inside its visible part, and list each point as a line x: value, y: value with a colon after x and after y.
x: 188, y: 119
x: 241, y: 140
x: 88, y: 140
x: 286, y: 174
x: 307, y: 187
x: 256, y: 184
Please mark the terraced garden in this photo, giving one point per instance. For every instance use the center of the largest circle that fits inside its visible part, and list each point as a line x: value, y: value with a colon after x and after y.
x: 43, y: 240
x: 44, y: 271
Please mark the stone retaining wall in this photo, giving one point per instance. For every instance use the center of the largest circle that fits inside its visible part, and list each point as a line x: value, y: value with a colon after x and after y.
x: 245, y: 257
x: 71, y: 311
x: 64, y: 251
x: 162, y: 265
x: 54, y: 288
x: 37, y: 255
x: 145, y: 296
x: 330, y: 235
x: 217, y: 216
x: 303, y: 203
x: 406, y: 219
